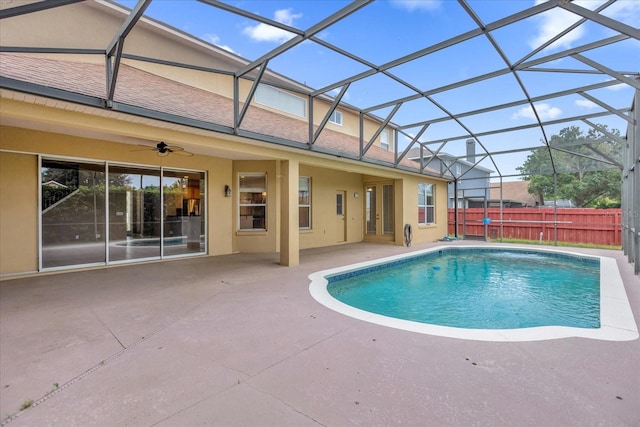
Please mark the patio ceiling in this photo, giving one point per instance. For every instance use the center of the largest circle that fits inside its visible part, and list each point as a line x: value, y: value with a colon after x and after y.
x: 433, y: 114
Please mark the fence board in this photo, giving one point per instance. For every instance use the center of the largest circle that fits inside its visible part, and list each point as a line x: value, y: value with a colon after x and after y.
x: 592, y: 226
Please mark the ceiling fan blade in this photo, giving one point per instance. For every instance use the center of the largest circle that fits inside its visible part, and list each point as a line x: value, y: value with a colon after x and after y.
x: 182, y: 153
x: 146, y: 148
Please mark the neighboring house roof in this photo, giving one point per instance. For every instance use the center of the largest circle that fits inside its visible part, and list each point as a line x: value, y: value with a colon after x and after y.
x: 414, y: 154
x: 143, y: 89
x: 514, y: 191
x: 53, y: 183
x: 560, y: 203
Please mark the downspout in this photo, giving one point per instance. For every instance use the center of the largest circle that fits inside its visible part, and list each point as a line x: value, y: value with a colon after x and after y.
x: 455, y: 207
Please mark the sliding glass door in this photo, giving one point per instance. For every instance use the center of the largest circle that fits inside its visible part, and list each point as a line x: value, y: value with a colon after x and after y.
x: 151, y: 213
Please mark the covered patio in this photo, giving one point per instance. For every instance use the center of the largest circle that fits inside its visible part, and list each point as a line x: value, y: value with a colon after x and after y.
x: 237, y: 340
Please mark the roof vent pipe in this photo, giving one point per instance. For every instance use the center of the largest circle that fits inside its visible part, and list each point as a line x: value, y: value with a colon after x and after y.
x: 471, y: 150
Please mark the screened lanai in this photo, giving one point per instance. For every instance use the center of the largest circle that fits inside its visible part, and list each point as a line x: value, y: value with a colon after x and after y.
x: 439, y: 73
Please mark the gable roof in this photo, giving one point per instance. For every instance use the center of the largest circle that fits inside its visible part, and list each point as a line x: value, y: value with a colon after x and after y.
x: 414, y: 154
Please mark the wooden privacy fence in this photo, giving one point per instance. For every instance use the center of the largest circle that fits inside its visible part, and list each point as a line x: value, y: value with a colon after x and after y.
x: 592, y: 226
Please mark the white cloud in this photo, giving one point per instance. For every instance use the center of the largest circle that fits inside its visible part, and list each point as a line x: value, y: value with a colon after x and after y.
x: 267, y: 33
x: 585, y: 103
x: 412, y: 5
x: 215, y: 40
x: 627, y: 12
x: 554, y: 21
x: 336, y: 91
x: 617, y: 87
x: 545, y: 111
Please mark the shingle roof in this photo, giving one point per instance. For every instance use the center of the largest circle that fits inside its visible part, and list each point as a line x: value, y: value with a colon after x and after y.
x: 143, y: 89
x: 514, y: 191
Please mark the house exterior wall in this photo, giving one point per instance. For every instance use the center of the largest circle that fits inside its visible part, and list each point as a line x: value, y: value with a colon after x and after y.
x: 424, y: 233
x: 19, y: 150
x: 89, y: 25
x: 250, y: 241
x: 36, y: 126
x: 325, y: 183
x: 18, y: 212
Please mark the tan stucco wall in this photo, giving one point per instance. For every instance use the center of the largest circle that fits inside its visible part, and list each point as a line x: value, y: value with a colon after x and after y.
x: 424, y: 233
x: 18, y: 212
x: 325, y: 183
x: 88, y: 25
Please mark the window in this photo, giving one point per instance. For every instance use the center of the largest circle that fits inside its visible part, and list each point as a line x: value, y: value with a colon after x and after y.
x: 304, y: 202
x: 281, y: 100
x: 253, y: 201
x: 384, y: 139
x: 426, y: 207
x: 336, y: 117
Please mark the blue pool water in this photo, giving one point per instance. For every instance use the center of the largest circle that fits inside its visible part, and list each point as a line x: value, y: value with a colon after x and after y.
x: 479, y: 289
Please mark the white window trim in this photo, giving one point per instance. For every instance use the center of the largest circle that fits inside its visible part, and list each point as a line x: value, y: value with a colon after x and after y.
x: 426, y: 206
x: 334, y: 118
x: 275, y: 98
x: 306, y: 206
x: 266, y: 186
x: 384, y: 139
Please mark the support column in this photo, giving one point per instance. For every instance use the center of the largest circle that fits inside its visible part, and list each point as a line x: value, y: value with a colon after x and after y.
x: 289, y: 227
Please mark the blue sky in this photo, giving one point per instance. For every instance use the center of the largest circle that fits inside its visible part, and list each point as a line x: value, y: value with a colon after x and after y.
x: 389, y: 29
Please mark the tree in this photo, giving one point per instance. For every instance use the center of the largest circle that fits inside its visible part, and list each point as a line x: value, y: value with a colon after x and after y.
x: 587, y: 168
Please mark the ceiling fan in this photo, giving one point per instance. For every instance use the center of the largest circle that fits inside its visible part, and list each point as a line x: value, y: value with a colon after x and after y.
x: 163, y: 149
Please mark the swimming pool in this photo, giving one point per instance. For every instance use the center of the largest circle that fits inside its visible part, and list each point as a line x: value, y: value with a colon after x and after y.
x: 611, y: 317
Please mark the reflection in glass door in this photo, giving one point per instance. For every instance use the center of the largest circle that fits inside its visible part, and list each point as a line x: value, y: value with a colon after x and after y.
x: 371, y: 210
x: 72, y: 213
x: 134, y: 213
x: 387, y: 210
x: 183, y: 201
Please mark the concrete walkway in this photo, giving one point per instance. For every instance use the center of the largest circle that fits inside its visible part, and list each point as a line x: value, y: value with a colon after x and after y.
x: 238, y: 341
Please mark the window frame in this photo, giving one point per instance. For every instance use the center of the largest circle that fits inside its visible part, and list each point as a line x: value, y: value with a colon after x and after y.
x: 241, y: 205
x: 307, y: 206
x: 384, y: 139
x: 281, y: 100
x: 333, y: 118
x: 423, y: 190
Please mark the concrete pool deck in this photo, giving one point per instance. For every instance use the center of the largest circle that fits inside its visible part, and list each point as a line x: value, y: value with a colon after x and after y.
x: 238, y: 340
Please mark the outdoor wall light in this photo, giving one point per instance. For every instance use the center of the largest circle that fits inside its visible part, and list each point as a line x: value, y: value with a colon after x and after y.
x: 227, y: 191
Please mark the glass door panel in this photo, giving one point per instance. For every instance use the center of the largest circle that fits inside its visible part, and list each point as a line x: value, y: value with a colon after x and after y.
x: 379, y: 212
x: 387, y: 210
x: 134, y: 213
x: 183, y: 200
x: 371, y: 210
x: 72, y: 213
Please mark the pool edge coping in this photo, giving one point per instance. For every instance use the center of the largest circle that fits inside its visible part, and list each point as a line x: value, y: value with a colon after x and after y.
x: 617, y: 322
